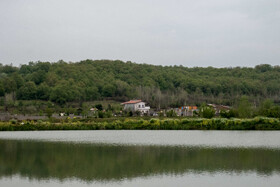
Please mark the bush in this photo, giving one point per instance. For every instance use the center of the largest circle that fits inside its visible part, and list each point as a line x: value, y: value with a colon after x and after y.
x: 13, y: 121
x: 274, y: 112
x: 228, y: 114
x: 99, y: 107
x: 207, y: 112
x: 100, y: 114
x: 171, y: 113
x: 259, y: 123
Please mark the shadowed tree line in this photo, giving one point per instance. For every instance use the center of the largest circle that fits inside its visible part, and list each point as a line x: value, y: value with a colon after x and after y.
x: 160, y: 86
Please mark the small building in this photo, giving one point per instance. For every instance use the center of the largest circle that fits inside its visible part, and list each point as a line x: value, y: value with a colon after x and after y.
x: 136, y: 105
x: 186, y: 110
x: 219, y: 108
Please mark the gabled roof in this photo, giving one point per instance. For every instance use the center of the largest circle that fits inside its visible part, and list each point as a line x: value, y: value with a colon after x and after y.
x: 132, y: 102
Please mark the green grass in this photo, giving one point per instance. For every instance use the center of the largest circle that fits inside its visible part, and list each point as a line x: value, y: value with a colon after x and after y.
x: 258, y: 123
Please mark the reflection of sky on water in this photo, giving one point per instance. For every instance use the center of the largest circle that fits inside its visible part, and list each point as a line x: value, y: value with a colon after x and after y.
x: 250, y: 179
x: 269, y: 139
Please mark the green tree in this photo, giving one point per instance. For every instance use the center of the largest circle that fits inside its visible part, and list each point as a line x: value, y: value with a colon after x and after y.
x: 274, y: 112
x: 206, y: 111
x: 228, y: 114
x: 100, y: 114
x: 99, y: 107
x: 10, y: 85
x: 43, y: 91
x: 2, y: 90
x: 18, y: 79
x: 171, y: 113
x: 263, y: 68
x: 59, y: 95
x: 92, y: 93
x: 49, y: 112
x: 38, y: 76
x: 265, y: 107
x: 245, y: 109
x: 108, y: 90
x: 27, y: 91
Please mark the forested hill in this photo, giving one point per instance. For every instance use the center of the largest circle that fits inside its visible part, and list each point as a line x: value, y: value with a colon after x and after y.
x: 160, y: 86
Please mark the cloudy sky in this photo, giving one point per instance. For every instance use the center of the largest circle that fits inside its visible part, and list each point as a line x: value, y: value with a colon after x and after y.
x: 191, y: 33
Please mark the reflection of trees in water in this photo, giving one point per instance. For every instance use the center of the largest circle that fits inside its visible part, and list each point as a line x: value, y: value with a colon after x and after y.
x: 108, y: 162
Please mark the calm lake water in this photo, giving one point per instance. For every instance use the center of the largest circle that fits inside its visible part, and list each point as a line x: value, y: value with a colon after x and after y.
x: 140, y: 158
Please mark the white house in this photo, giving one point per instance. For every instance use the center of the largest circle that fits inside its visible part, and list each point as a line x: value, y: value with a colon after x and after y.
x: 136, y: 105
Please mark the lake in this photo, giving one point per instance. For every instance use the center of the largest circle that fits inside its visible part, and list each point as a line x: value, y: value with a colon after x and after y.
x: 140, y: 158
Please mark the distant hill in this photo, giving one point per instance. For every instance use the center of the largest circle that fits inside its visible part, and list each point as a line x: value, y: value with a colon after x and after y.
x: 160, y: 86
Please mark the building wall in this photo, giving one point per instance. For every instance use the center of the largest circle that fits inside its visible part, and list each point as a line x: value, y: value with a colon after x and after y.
x: 139, y: 105
x: 129, y: 107
x: 134, y: 107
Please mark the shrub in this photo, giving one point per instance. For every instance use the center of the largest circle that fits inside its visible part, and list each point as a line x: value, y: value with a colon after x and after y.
x: 171, y: 113
x: 228, y: 114
x: 100, y: 114
x: 13, y: 121
x: 259, y: 123
x: 207, y: 112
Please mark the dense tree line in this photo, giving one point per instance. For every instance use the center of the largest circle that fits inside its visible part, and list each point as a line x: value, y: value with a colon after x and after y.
x: 160, y: 86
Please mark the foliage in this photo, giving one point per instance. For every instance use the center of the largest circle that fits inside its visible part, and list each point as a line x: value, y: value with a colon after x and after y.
x: 259, y: 123
x: 229, y: 114
x: 245, y: 109
x: 171, y: 113
x: 13, y: 121
x: 160, y: 86
x: 130, y: 113
x: 269, y: 109
x: 274, y: 112
x: 49, y: 112
x: 206, y: 111
x: 100, y: 114
x: 27, y: 91
x: 99, y: 106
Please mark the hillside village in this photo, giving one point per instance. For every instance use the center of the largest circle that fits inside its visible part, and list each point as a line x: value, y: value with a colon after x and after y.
x: 135, y: 107
x: 139, y: 106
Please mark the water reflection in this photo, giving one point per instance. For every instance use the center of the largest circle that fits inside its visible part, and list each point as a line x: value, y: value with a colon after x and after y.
x: 99, y: 162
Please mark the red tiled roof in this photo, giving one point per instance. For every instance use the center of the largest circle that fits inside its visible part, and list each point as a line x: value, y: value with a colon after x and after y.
x: 132, y: 102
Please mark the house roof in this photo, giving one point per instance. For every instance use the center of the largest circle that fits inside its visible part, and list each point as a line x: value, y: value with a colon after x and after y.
x: 220, y: 106
x: 132, y: 102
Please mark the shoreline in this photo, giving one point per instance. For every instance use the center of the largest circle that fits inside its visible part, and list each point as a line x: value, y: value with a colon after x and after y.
x: 258, y: 123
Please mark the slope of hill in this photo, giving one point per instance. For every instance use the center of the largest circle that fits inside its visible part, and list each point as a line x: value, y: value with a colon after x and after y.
x: 161, y: 86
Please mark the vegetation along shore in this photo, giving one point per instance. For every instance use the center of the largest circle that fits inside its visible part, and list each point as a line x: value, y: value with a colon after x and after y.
x: 258, y: 123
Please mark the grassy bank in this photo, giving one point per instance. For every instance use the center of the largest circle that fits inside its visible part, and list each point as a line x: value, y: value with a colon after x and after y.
x: 259, y: 123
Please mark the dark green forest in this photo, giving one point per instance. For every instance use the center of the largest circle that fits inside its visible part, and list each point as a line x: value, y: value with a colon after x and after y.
x: 159, y: 86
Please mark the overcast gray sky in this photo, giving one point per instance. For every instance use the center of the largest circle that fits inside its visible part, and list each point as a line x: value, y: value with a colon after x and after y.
x: 191, y: 33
